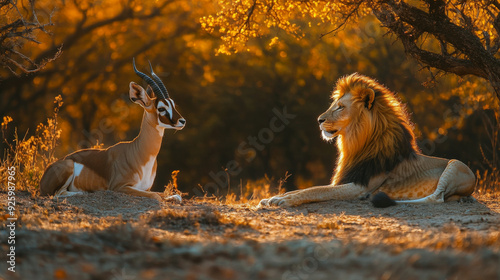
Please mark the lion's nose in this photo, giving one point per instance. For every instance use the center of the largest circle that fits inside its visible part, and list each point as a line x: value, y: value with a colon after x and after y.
x: 320, y: 120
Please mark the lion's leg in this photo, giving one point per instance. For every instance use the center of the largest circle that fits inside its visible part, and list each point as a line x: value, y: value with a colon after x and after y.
x: 457, y: 180
x: 463, y: 182
x: 315, y: 194
x: 288, y: 193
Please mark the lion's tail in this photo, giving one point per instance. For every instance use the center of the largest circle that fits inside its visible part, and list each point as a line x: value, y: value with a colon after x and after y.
x: 382, y: 200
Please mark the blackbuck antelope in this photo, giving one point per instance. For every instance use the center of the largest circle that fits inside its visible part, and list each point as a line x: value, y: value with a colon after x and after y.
x: 127, y: 167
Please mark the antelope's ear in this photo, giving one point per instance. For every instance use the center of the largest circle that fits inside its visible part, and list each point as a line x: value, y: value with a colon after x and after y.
x: 150, y: 92
x: 367, y: 95
x: 139, y: 95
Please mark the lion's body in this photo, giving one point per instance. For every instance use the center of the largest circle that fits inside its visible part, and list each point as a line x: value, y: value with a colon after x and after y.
x: 378, y: 152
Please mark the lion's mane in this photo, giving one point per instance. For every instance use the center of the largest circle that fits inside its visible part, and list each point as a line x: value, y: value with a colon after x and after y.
x: 378, y: 138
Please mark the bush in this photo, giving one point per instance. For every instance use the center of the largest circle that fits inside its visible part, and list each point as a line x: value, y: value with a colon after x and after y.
x: 30, y: 156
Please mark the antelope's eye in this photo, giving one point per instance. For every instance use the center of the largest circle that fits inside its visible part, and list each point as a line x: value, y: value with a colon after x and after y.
x: 161, y: 109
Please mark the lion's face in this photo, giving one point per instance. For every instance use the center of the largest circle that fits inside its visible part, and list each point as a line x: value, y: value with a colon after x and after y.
x: 345, y: 112
x: 336, y: 118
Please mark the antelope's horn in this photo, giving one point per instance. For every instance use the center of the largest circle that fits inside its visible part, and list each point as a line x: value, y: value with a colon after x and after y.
x: 158, y: 81
x: 148, y: 80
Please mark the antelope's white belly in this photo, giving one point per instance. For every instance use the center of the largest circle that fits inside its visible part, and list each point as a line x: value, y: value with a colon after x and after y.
x: 77, y: 170
x: 145, y: 176
x: 85, y: 179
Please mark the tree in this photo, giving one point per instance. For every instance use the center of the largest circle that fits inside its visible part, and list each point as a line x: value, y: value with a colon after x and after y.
x: 456, y: 36
x: 20, y: 23
x: 76, y: 25
x: 227, y: 100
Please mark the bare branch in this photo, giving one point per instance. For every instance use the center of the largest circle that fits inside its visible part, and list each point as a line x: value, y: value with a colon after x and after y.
x: 15, y: 33
x: 345, y: 19
x: 443, y: 62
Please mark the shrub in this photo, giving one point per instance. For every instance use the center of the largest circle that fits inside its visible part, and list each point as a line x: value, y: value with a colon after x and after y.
x: 30, y: 156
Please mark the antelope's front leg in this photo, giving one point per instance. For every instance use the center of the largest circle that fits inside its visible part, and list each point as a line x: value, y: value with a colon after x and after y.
x: 314, y: 194
x: 175, y: 198
x: 131, y: 191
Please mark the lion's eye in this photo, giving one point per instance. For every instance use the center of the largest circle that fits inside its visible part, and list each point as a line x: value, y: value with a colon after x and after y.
x: 340, y: 107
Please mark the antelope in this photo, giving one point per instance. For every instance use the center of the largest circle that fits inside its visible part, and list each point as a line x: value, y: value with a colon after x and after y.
x: 127, y: 167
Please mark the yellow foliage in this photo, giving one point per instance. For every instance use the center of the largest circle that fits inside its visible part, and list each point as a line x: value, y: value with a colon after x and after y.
x: 238, y: 21
x: 6, y: 121
x: 30, y: 156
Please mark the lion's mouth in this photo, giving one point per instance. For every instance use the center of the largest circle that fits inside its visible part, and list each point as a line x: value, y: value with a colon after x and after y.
x: 329, y: 134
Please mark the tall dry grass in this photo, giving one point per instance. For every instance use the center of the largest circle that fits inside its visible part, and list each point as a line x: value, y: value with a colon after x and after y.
x: 30, y: 155
x: 489, y: 180
x: 256, y: 190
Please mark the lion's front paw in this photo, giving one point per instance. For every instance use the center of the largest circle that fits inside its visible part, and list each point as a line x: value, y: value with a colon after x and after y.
x: 263, y: 203
x: 281, y: 201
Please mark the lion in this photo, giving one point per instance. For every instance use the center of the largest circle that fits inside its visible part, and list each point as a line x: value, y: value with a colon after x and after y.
x: 378, y: 154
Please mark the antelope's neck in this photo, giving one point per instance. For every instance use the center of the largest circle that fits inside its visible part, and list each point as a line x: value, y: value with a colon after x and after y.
x: 148, y: 143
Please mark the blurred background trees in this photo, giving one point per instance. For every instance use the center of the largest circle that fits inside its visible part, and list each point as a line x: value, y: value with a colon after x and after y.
x: 228, y: 100
x: 460, y: 37
x: 20, y: 23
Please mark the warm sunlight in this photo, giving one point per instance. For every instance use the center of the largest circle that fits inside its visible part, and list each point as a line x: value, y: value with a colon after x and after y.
x: 250, y: 139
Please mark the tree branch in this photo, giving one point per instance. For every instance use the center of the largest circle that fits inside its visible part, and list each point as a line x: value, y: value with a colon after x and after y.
x: 19, y: 27
x: 462, y: 39
x: 443, y: 62
x: 345, y: 18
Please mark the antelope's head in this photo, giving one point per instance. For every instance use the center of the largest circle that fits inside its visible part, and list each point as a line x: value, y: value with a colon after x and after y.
x: 155, y: 100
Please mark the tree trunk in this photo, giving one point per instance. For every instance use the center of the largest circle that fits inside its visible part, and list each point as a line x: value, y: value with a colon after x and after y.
x: 494, y: 79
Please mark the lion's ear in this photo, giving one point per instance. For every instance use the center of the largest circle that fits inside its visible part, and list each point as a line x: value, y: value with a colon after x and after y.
x: 367, y: 95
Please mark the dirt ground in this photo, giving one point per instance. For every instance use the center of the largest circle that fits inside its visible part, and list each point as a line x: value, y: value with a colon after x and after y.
x: 107, y: 235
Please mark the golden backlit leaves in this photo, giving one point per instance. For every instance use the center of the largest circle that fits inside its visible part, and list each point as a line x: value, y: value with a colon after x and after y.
x: 238, y: 21
x: 474, y: 14
x: 5, y: 122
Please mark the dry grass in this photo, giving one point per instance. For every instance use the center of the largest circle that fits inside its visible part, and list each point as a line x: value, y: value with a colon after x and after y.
x: 489, y: 180
x: 255, y: 190
x: 30, y: 155
x: 172, y: 188
x: 488, y: 183
x: 71, y: 239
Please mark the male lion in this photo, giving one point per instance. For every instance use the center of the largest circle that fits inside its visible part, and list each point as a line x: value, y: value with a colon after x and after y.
x: 378, y: 152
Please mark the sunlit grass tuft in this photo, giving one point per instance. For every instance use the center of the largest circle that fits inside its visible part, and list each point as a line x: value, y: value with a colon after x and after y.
x: 254, y: 191
x: 489, y: 180
x: 172, y: 187
x: 488, y: 183
x: 30, y: 155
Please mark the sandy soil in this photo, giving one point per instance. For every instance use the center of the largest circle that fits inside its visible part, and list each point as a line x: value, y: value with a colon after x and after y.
x: 106, y: 235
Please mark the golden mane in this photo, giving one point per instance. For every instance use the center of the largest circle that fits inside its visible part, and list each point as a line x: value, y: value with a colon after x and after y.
x: 379, y: 137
